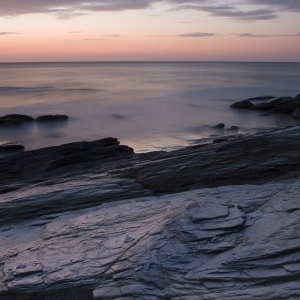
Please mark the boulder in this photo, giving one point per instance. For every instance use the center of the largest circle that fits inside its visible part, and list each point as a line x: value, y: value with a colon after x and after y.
x: 50, y: 118
x: 296, y: 113
x: 10, y: 146
x: 242, y: 104
x: 219, y: 126
x: 14, y: 120
x: 18, y: 118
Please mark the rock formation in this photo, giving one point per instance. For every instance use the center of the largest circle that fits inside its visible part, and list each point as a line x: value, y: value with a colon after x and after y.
x: 279, y: 105
x: 10, y: 146
x: 51, y: 118
x: 96, y: 221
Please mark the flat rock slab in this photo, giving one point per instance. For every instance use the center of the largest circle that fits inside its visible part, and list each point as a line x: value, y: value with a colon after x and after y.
x: 129, y: 249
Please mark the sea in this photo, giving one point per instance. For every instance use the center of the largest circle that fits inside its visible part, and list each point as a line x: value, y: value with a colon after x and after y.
x: 149, y: 106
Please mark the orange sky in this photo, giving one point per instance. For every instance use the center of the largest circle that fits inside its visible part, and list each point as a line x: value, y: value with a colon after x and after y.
x: 162, y: 31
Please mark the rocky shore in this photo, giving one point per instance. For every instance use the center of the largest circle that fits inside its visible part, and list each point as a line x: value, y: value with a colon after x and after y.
x: 94, y: 220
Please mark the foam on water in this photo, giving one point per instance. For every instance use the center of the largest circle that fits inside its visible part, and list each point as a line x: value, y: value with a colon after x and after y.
x: 149, y: 106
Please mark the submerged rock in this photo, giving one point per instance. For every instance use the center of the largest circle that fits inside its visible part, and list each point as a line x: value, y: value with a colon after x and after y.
x: 242, y: 104
x: 50, y: 118
x: 10, y: 146
x: 219, y: 126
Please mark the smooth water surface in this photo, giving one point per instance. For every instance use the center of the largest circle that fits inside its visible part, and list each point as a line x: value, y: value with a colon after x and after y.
x: 147, y: 105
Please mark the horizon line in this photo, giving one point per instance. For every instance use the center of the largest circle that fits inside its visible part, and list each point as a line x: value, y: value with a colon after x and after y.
x: 144, y: 61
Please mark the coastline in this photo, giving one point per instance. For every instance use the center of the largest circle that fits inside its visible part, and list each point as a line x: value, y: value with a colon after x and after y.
x: 97, y: 221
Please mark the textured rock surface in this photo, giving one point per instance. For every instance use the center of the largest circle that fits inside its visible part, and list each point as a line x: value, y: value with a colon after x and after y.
x: 238, y: 242
x: 64, y: 235
x: 50, y: 118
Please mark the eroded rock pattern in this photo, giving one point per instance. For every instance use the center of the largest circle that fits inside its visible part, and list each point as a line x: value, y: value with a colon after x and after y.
x: 238, y: 242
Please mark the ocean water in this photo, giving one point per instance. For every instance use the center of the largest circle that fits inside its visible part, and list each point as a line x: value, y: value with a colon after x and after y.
x: 146, y: 105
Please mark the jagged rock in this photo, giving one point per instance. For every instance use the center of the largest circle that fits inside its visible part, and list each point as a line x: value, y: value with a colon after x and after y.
x: 50, y: 118
x: 219, y: 126
x: 10, y: 146
x: 296, y: 113
x: 242, y: 104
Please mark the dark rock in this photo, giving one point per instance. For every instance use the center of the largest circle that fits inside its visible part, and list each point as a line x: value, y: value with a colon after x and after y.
x: 219, y: 126
x: 242, y: 104
x: 296, y: 113
x: 287, y: 106
x: 14, y: 120
x: 220, y: 140
x: 261, y: 98
x: 267, y: 105
x: 10, y: 146
x: 233, y: 128
x: 17, y: 118
x: 297, y: 97
x: 50, y: 118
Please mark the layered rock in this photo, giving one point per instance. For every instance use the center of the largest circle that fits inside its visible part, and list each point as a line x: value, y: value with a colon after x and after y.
x: 81, y: 221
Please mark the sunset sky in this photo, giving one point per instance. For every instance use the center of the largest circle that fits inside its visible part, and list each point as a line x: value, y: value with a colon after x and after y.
x: 109, y: 30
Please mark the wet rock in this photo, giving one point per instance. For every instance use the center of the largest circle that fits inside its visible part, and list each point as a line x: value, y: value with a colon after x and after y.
x: 287, y: 106
x: 267, y: 105
x: 233, y: 128
x: 219, y: 126
x: 10, y: 146
x: 14, y: 120
x: 296, y: 113
x: 17, y: 118
x: 261, y: 98
x: 242, y: 104
x: 51, y: 118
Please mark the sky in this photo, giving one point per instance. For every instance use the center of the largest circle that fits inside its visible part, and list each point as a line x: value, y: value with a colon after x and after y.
x: 149, y: 30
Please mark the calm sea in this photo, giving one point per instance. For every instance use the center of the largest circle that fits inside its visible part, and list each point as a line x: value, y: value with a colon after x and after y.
x: 147, y: 105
